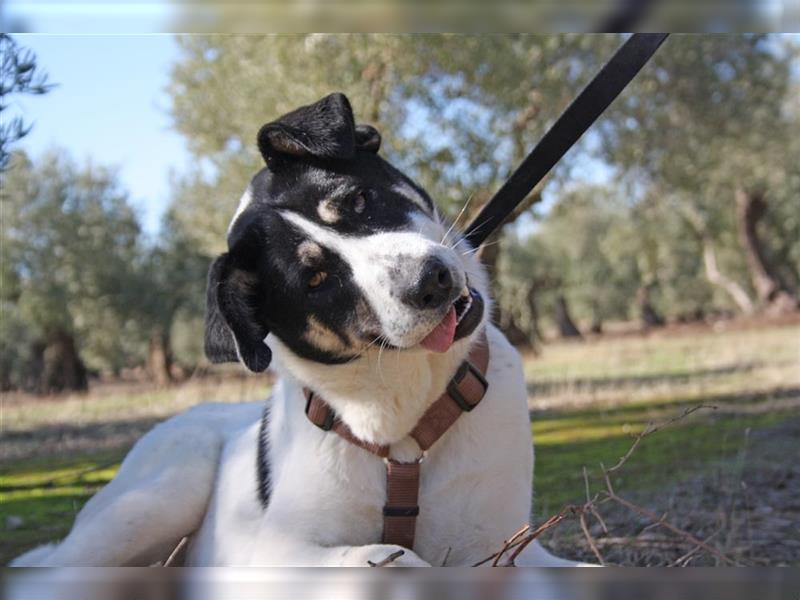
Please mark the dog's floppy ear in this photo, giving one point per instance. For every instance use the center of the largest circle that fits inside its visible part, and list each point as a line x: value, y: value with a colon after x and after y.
x: 232, y: 330
x: 368, y: 138
x: 322, y: 130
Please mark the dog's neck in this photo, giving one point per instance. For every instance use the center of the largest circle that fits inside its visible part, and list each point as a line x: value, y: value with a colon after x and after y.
x: 382, y: 395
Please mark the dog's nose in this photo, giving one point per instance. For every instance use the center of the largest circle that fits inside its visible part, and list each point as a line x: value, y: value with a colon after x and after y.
x: 433, y: 288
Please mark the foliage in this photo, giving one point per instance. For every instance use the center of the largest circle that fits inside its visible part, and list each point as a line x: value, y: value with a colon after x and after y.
x: 711, y: 114
x: 19, y: 74
x: 456, y: 111
x: 708, y: 115
x: 70, y: 243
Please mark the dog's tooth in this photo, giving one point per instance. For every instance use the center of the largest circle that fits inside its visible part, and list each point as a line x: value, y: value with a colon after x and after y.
x: 467, y: 306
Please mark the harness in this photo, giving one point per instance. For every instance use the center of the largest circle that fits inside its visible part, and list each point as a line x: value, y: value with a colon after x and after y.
x: 464, y: 392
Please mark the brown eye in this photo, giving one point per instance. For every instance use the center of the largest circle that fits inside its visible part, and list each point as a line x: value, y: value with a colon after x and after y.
x: 317, y: 279
x: 359, y: 202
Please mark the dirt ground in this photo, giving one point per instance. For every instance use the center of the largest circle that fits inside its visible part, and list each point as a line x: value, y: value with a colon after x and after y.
x: 748, y: 506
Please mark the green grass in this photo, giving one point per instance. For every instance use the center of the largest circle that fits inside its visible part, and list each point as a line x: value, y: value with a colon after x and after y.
x: 47, y: 493
x: 588, y: 401
x: 666, y: 456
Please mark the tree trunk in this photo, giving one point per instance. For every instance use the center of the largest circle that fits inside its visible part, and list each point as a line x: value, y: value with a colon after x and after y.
x: 537, y: 337
x: 597, y: 326
x: 770, y: 291
x: 63, y: 369
x: 505, y: 321
x: 718, y: 278
x: 159, y: 356
x: 647, y: 312
x: 566, y: 326
x: 514, y: 334
x: 375, y: 76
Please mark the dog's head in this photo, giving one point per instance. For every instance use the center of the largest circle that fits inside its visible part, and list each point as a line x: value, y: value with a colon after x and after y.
x: 333, y: 250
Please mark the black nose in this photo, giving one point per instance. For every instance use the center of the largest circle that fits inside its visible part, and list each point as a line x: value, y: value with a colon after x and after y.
x: 433, y: 288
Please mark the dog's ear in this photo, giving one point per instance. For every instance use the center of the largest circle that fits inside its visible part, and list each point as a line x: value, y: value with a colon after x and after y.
x: 368, y: 138
x: 322, y: 130
x: 232, y: 330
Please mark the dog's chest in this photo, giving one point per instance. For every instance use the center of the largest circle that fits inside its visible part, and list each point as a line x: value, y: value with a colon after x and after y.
x: 327, y: 491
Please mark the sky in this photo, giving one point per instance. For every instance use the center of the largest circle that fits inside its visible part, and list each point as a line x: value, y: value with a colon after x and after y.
x: 111, y: 106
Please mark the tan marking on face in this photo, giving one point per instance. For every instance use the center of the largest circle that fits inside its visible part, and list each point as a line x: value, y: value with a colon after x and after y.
x: 319, y: 336
x: 309, y: 253
x: 328, y: 211
x: 365, y: 318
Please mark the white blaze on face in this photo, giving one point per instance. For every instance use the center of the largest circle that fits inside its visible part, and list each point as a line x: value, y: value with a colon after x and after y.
x: 408, y: 192
x: 383, y: 266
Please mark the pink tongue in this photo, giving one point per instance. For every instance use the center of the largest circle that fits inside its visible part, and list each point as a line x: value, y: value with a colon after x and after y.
x: 441, y: 338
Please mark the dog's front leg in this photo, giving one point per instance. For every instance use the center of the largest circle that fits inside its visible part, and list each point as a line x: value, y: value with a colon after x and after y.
x: 377, y: 555
x: 535, y: 555
x: 281, y: 548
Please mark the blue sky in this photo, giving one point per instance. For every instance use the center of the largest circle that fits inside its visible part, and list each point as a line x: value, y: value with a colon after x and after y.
x: 110, y: 106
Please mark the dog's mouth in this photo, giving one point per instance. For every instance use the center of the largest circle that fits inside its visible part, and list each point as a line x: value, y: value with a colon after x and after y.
x: 461, y: 319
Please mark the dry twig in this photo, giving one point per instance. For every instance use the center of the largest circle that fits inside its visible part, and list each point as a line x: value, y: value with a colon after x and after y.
x: 590, y: 539
x: 684, y: 560
x: 651, y: 429
x: 612, y: 495
x: 389, y: 559
x: 551, y: 522
x: 176, y: 552
x: 507, y: 544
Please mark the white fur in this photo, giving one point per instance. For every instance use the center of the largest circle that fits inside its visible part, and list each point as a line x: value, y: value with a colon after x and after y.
x: 244, y: 202
x: 407, y: 191
x: 196, y: 473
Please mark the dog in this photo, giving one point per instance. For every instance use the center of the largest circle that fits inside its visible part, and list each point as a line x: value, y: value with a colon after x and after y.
x: 342, y: 276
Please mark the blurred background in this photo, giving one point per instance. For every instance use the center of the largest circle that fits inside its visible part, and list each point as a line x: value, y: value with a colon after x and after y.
x: 655, y: 269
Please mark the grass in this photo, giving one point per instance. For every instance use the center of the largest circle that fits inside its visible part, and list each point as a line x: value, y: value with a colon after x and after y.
x: 47, y: 494
x: 113, y: 402
x: 661, y: 458
x: 587, y: 401
x: 590, y: 399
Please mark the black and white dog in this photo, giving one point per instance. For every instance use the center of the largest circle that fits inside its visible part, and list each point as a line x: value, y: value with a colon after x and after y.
x: 342, y: 275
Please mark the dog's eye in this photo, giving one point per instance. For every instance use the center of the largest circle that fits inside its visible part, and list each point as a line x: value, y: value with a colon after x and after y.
x: 317, y: 279
x: 359, y: 202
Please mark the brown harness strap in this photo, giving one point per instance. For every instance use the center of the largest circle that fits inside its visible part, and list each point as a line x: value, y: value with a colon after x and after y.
x: 322, y: 415
x: 401, y: 508
x: 464, y: 391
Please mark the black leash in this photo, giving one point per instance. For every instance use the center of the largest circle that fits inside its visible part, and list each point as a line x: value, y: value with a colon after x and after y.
x: 570, y: 126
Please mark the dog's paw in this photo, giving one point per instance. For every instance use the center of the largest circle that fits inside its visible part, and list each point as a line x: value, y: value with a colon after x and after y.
x: 383, y: 555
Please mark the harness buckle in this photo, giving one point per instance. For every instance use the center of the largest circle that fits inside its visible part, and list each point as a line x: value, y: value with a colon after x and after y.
x: 455, y: 393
